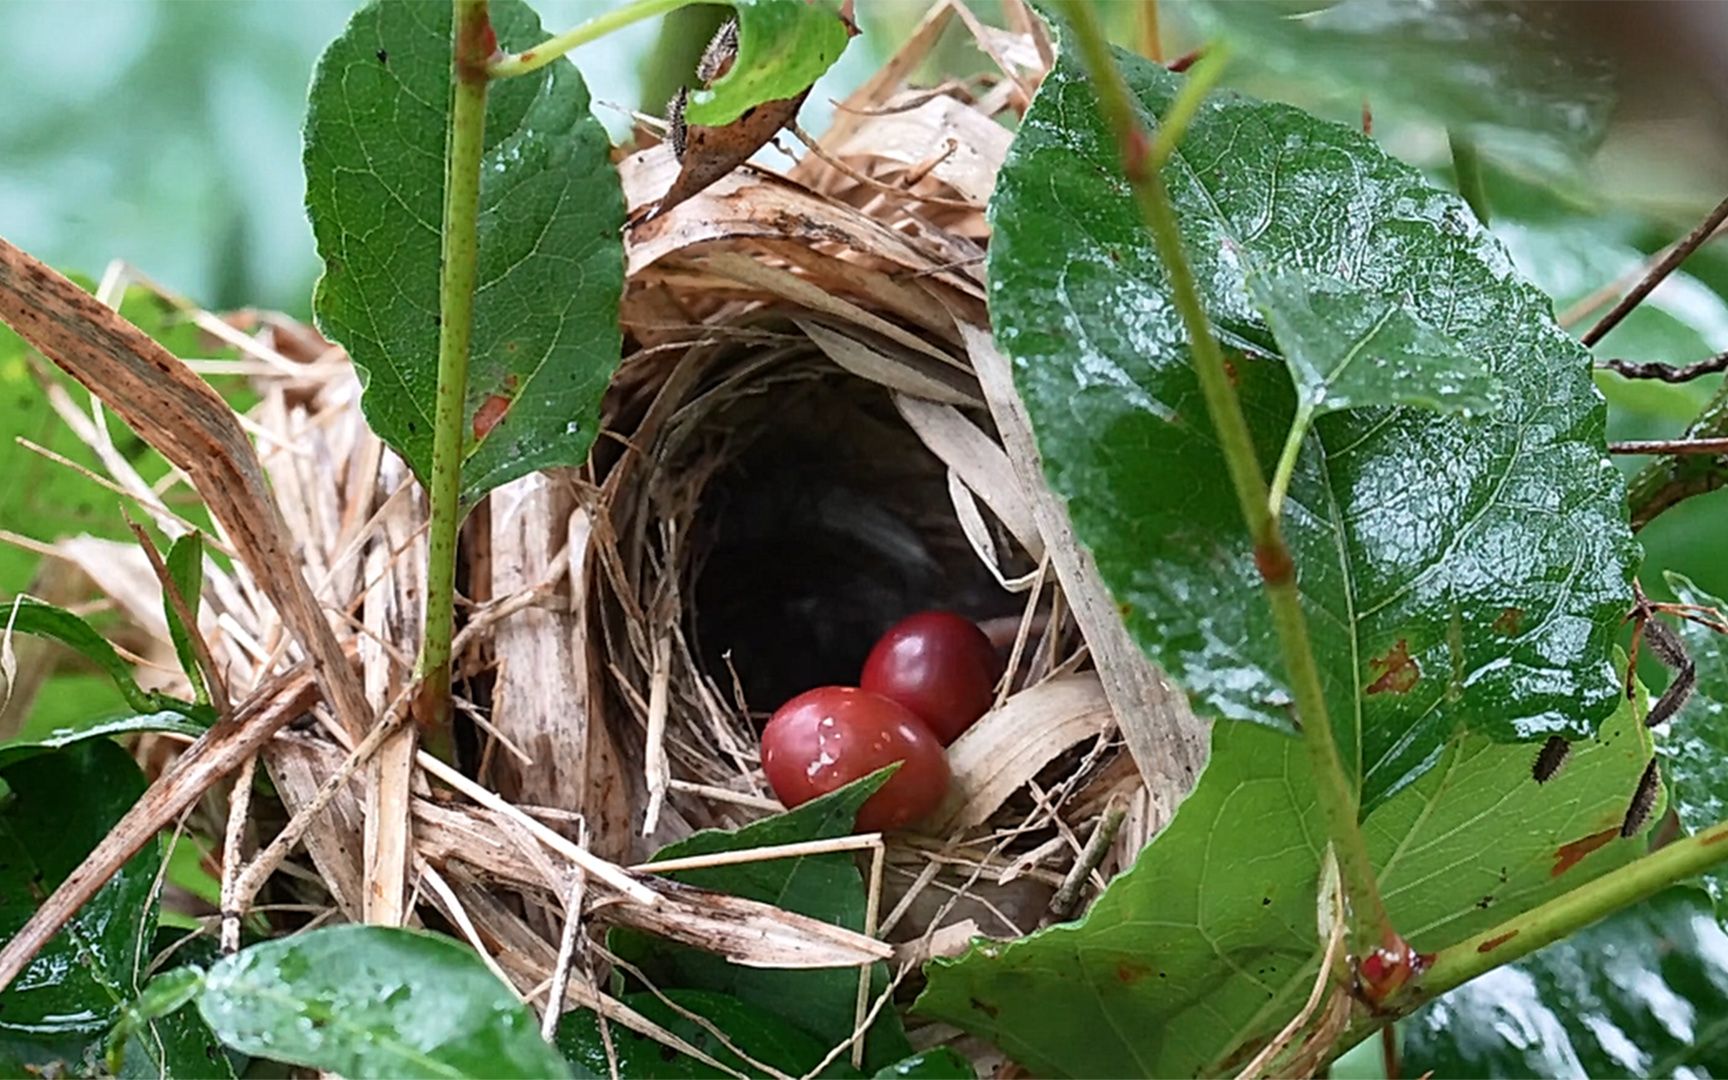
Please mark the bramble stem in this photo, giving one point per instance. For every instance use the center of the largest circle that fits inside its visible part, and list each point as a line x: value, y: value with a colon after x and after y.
x: 1371, y: 927
x: 1570, y: 912
x: 1467, y: 170
x: 474, y: 44
x: 599, y: 26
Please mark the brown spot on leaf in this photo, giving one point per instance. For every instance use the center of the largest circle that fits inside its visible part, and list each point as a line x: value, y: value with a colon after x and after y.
x: 1713, y: 837
x: 489, y: 415
x: 1129, y: 972
x: 1566, y: 856
x: 1496, y: 941
x: 1510, y: 622
x: 1396, y: 672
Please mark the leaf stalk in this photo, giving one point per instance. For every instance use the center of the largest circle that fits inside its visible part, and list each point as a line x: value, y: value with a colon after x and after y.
x: 1371, y: 927
x: 511, y: 64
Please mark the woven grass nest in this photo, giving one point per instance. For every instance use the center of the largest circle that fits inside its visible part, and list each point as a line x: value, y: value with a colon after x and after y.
x: 811, y: 435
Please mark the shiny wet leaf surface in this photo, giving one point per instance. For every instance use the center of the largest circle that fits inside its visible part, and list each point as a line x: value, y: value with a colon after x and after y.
x: 1194, y: 958
x: 1460, y: 573
x: 367, y: 1001
x: 551, y: 261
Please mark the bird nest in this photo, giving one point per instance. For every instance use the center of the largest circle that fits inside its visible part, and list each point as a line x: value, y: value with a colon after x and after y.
x: 811, y: 436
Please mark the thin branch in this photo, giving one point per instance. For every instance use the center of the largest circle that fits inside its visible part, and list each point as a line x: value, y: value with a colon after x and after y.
x: 1670, y: 446
x: 1668, y: 373
x: 1335, y: 790
x: 1663, y: 267
x: 456, y: 280
x: 1067, y: 896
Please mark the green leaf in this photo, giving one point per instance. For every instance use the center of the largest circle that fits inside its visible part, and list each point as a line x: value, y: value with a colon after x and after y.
x: 826, y: 887
x: 162, y: 1035
x: 1694, y: 747
x: 27, y: 615
x: 764, y: 1036
x: 374, y: 1001
x: 186, y: 569
x: 191, y: 723
x: 783, y: 47
x: 551, y: 261
x: 60, y: 806
x: 1509, y: 73
x: 1347, y: 348
x: 1459, y: 573
x: 1196, y: 956
x: 1643, y: 993
x: 942, y: 1063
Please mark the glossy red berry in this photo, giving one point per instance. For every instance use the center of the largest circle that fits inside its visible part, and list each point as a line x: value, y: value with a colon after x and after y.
x: 940, y: 666
x: 824, y: 739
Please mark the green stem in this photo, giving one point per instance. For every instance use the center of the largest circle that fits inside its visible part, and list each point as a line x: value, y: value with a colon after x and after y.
x: 1467, y: 170
x: 1522, y: 935
x: 1287, y: 460
x: 1371, y: 927
x: 503, y: 67
x: 473, y: 45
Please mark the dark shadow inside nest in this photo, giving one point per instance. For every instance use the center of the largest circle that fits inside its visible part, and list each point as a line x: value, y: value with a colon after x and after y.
x: 831, y: 523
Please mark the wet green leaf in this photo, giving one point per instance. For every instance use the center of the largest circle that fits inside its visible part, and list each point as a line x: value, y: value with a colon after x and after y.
x: 161, y: 1034
x: 765, y: 1037
x: 942, y: 1063
x: 827, y: 887
x: 783, y: 47
x: 1512, y: 73
x: 368, y: 1001
x: 551, y: 261
x: 1641, y: 994
x: 186, y: 569
x: 189, y: 722
x: 27, y: 615
x: 1347, y: 348
x: 1694, y: 746
x: 1460, y: 574
x: 59, y: 806
x: 1196, y: 956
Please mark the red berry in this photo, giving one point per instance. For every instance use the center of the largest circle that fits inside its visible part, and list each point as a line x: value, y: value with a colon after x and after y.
x: 824, y: 739
x: 940, y: 666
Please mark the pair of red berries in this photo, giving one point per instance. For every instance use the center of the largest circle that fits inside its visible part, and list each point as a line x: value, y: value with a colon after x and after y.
x: 927, y: 680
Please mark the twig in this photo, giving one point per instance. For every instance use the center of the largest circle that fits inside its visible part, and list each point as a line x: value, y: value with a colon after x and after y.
x: 1067, y: 896
x: 239, y: 809
x: 459, y: 915
x: 872, y: 908
x: 266, y: 861
x: 1670, y: 446
x: 763, y: 854
x: 850, y: 173
x: 1664, y: 266
x: 610, y: 873
x: 1669, y: 373
x: 1334, y: 942
x: 566, y: 947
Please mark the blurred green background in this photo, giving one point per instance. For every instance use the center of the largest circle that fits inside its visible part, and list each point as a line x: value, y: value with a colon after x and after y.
x: 167, y: 133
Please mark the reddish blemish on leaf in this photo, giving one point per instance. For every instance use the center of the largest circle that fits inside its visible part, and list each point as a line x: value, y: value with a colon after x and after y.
x: 1496, y: 941
x: 1566, y: 856
x: 1394, y: 673
x: 527, y: 56
x: 1713, y: 838
x: 490, y: 413
x: 1510, y: 622
x: 1128, y: 972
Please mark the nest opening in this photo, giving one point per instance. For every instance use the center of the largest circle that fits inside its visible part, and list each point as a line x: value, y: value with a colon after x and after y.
x: 824, y: 521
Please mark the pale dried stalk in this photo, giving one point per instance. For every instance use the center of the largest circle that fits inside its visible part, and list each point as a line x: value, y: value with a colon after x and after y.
x: 233, y: 841
x: 769, y: 853
x: 872, y: 907
x: 566, y: 954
